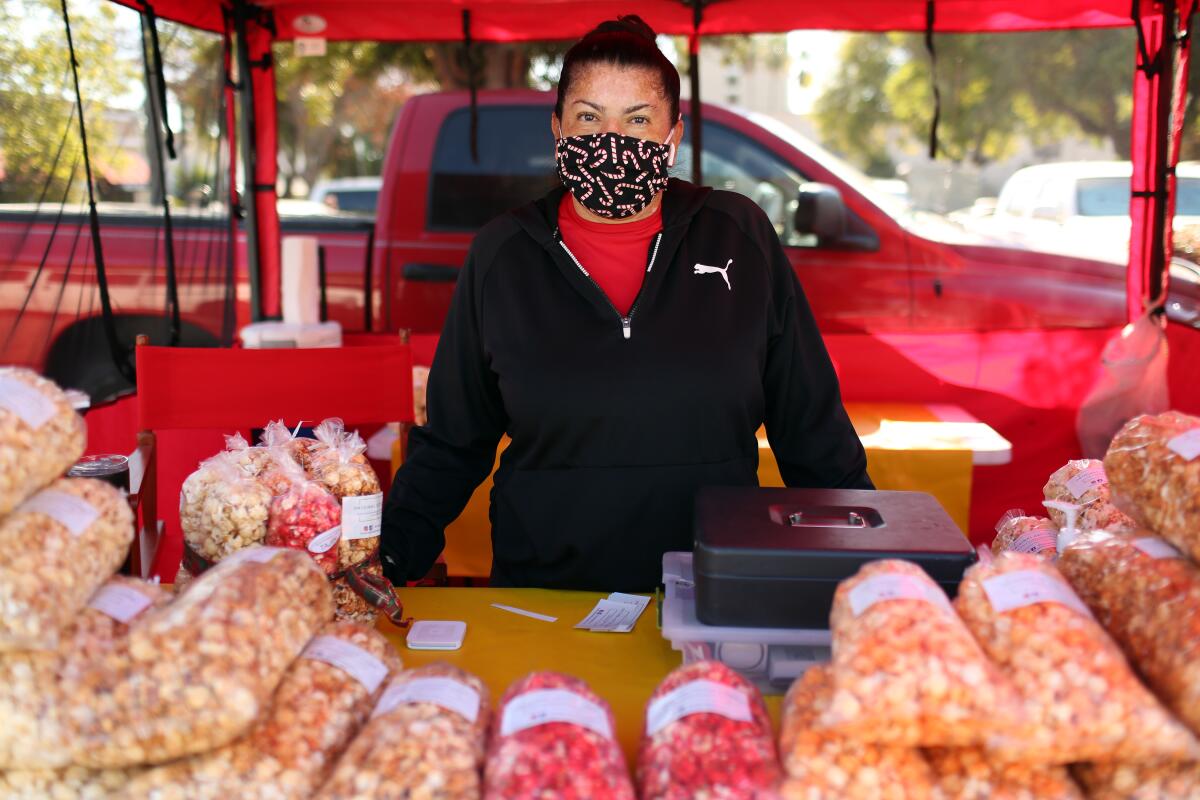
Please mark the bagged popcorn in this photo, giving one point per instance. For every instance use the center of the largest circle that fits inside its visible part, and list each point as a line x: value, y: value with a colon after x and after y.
x: 41, y: 435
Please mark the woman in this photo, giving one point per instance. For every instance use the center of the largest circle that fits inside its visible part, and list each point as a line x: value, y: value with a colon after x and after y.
x: 630, y: 334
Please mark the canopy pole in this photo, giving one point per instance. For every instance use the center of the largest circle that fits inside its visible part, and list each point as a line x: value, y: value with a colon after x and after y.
x: 472, y: 83
x: 1150, y: 245
x: 236, y: 212
x: 694, y: 77
x: 246, y: 137
x: 930, y: 20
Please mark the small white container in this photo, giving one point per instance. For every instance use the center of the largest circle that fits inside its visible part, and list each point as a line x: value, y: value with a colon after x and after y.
x: 771, y: 658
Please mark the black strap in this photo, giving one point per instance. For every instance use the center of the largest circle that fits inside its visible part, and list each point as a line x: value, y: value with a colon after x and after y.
x: 157, y: 109
x: 697, y: 107
x: 930, y: 18
x: 1148, y: 65
x: 471, y: 84
x: 110, y: 328
x: 159, y: 76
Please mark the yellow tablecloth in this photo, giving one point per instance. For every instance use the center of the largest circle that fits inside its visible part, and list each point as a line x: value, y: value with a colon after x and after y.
x: 501, y: 647
x: 944, y: 473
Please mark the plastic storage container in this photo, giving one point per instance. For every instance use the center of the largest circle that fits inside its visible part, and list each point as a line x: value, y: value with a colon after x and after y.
x: 773, y: 557
x: 771, y: 658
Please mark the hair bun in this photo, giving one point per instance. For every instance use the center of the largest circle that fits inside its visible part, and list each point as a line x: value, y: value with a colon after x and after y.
x: 629, y: 23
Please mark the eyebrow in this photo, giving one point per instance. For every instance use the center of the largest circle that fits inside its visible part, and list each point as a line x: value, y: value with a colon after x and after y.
x: 629, y: 110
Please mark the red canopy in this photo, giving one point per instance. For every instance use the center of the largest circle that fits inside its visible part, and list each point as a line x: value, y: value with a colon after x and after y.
x: 515, y: 20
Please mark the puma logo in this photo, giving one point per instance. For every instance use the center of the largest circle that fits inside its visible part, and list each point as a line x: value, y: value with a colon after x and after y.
x: 704, y: 269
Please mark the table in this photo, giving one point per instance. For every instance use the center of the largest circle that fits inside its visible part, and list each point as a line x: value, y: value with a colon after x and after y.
x: 910, y: 447
x: 501, y: 647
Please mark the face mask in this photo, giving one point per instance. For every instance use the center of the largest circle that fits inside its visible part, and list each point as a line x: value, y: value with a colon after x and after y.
x: 613, y: 176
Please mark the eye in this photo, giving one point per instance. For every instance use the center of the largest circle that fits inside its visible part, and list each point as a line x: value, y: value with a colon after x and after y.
x: 586, y: 116
x: 640, y: 120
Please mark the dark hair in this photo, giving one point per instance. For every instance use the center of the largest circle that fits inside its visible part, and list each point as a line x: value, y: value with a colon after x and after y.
x: 625, y: 42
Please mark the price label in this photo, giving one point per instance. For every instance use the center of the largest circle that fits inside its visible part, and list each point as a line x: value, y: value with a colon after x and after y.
x: 362, y: 517
x: 445, y: 692
x: 321, y: 543
x: 1186, y: 445
x: 119, y: 601
x: 349, y: 658
x: 27, y: 403
x: 881, y: 588
x: 1156, y: 548
x: 697, y: 697
x: 543, y: 706
x: 71, y: 511
x: 1027, y: 587
x: 1087, y: 480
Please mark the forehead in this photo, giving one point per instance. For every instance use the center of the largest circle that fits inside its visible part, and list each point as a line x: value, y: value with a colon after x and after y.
x: 611, y: 83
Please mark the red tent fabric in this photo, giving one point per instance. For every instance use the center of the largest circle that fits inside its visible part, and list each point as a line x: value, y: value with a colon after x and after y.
x: 517, y: 20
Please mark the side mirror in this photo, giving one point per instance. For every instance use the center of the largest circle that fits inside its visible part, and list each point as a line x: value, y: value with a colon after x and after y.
x: 821, y: 212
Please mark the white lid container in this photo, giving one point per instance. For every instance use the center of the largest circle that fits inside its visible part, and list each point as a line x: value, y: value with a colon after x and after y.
x: 769, y: 657
x: 292, y: 334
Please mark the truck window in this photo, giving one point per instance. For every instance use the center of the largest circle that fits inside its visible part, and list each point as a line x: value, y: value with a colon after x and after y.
x: 516, y: 165
x: 739, y: 164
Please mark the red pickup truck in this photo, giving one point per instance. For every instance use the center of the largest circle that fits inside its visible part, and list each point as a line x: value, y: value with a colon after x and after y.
x: 913, y: 308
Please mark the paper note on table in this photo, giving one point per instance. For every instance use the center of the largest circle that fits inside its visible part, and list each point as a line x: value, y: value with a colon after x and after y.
x: 617, y: 613
x: 524, y: 613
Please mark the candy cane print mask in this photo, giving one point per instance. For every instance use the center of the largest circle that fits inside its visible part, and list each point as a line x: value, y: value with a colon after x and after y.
x: 611, y: 175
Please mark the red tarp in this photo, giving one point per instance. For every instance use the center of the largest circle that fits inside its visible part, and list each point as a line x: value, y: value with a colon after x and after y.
x: 510, y: 20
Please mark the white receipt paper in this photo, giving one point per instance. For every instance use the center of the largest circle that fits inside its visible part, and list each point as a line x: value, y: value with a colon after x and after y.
x: 362, y: 517
x: 1087, y: 480
x: 1186, y: 444
x: 697, y: 697
x: 72, y: 512
x: 1026, y: 587
x: 542, y: 706
x: 445, y: 692
x: 617, y: 613
x: 880, y: 588
x: 30, y: 405
x: 351, y: 659
x: 119, y: 601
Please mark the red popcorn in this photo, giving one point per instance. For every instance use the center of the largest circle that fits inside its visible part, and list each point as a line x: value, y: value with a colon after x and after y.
x: 707, y: 735
x: 306, y: 517
x: 553, y: 738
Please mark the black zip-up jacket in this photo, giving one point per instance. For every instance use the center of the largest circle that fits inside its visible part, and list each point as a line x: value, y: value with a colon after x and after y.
x: 616, y: 421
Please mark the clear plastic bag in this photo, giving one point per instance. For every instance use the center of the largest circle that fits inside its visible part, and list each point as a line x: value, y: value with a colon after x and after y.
x: 1148, y: 597
x: 707, y: 735
x: 1023, y: 534
x: 305, y: 517
x: 69, y: 783
x: 223, y: 508
x: 1079, y: 691
x: 426, y: 738
x: 554, y: 737
x: 1153, y: 465
x: 31, y: 730
x: 905, y: 669
x: 194, y: 675
x: 1133, y: 381
x: 1161, y: 781
x: 41, y: 435
x: 321, y: 703
x: 821, y: 765
x: 56, y: 549
x: 970, y: 774
x: 1083, y: 482
x: 339, y: 462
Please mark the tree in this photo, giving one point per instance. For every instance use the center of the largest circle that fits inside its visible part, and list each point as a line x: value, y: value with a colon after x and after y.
x: 995, y: 88
x: 37, y: 97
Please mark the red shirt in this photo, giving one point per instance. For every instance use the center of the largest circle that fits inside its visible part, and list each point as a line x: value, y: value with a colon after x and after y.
x: 615, y: 255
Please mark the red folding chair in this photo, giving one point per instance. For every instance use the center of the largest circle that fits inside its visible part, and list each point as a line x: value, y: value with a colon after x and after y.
x: 225, y: 390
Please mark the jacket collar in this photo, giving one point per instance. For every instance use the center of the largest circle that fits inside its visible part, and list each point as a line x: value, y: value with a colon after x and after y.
x: 681, y: 200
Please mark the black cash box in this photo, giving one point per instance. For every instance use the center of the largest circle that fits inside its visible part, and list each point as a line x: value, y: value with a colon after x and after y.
x: 772, y: 558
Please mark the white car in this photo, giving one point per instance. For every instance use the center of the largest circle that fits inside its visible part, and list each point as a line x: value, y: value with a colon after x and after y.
x: 1078, y: 208
x: 358, y: 195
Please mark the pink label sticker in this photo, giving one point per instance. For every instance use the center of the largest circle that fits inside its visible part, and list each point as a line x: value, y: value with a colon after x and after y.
x: 1156, y: 548
x: 119, y: 601
x: 27, y: 403
x: 72, y: 512
x: 1186, y: 445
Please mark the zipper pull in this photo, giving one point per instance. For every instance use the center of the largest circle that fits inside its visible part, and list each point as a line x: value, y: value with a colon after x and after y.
x: 625, y: 326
